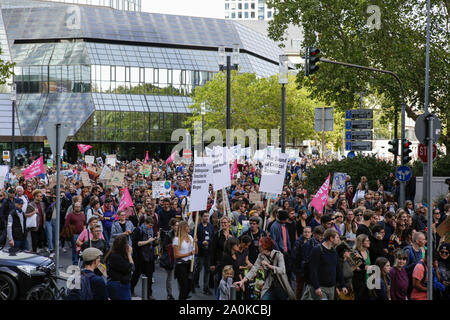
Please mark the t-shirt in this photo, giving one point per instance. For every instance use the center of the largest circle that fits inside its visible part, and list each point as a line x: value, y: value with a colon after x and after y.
x: 186, y: 247
x: 418, y: 273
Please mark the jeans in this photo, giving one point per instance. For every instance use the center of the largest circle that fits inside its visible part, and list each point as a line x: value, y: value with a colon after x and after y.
x: 275, y: 293
x: 202, y: 262
x: 21, y: 244
x: 182, y: 271
x: 118, y: 290
x: 74, y: 251
x: 50, y: 230
x: 107, y: 234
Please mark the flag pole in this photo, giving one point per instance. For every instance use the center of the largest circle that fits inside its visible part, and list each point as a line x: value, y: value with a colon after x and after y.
x: 269, y: 198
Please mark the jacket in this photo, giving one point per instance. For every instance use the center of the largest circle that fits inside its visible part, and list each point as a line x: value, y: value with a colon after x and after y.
x: 15, y: 229
x: 276, y: 259
x: 33, y: 206
x: 116, y: 230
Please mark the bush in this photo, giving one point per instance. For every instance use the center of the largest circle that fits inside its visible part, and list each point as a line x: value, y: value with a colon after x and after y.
x: 370, y: 166
x: 441, y: 166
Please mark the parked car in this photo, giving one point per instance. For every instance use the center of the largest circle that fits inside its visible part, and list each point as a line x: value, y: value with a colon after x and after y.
x: 22, y: 271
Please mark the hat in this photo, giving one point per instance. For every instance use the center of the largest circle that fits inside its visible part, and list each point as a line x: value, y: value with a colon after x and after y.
x: 90, y: 254
x: 18, y: 200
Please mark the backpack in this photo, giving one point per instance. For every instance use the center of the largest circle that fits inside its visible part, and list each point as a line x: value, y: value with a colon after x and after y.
x: 85, y: 291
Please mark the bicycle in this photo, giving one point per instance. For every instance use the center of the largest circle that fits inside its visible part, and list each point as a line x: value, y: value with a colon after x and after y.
x: 48, y: 290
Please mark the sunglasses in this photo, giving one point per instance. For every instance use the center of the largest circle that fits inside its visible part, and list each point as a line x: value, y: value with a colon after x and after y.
x: 339, y: 217
x: 444, y: 252
x: 358, y: 215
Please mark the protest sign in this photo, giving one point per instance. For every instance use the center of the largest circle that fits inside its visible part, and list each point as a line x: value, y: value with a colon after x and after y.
x: 254, y: 197
x: 100, y: 161
x: 444, y: 230
x: 273, y: 173
x: 111, y: 160
x: 161, y: 189
x: 200, y: 184
x: 85, y: 179
x: 117, y: 178
x: 338, y: 182
x: 106, y: 173
x: 221, y: 169
x: 89, y: 159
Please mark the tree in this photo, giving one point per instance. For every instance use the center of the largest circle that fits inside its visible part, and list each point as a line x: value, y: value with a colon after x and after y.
x: 340, y: 29
x: 255, y: 104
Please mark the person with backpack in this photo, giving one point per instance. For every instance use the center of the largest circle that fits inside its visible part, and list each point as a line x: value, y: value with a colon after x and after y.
x: 109, y: 215
x: 325, y: 269
x: 92, y: 260
x: 415, y: 252
x: 420, y: 280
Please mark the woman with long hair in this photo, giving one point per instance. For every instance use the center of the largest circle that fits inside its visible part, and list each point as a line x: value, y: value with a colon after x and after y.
x: 360, y: 274
x: 384, y: 292
x: 301, y: 222
x: 396, y: 239
x: 120, y: 266
x: 184, y: 250
x: 398, y: 276
x: 349, y: 227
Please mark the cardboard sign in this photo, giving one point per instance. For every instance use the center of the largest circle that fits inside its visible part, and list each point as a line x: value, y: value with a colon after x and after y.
x: 338, y: 182
x: 106, y: 173
x: 444, y: 230
x: 89, y: 159
x: 254, y: 197
x: 52, y: 180
x: 200, y: 184
x: 111, y: 160
x: 161, y: 189
x: 100, y: 161
x: 85, y: 179
x: 146, y: 170
x: 117, y: 178
x: 273, y: 173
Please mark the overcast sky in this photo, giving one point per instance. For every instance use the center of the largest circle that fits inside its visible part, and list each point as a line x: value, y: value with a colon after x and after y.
x: 196, y: 8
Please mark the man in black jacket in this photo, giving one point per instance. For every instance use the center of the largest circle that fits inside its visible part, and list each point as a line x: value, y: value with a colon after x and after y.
x: 369, y: 220
x: 205, y: 236
x: 16, y: 229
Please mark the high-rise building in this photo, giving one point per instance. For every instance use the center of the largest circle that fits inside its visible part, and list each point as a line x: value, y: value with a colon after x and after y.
x: 123, y: 80
x: 129, y: 5
x: 247, y: 10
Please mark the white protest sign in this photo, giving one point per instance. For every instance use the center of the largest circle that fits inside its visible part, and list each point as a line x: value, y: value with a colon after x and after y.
x: 273, y: 173
x: 111, y: 159
x: 200, y: 184
x: 236, y: 151
x: 89, y: 159
x: 85, y: 179
x: 4, y: 170
x: 292, y: 153
x: 221, y: 169
x: 106, y: 173
x: 100, y: 161
x: 161, y: 189
x: 338, y: 182
x: 208, y: 151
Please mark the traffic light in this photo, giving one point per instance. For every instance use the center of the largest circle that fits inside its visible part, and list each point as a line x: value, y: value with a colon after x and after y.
x: 394, y: 149
x: 311, y: 58
x: 406, y: 150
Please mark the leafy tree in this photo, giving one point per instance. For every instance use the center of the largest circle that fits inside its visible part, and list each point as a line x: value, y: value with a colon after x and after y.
x: 255, y: 104
x: 340, y: 29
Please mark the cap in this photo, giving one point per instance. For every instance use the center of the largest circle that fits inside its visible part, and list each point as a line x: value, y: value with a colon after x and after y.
x: 90, y: 254
x: 18, y: 200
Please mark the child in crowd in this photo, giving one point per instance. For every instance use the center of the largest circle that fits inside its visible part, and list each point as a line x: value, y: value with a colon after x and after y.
x: 226, y: 283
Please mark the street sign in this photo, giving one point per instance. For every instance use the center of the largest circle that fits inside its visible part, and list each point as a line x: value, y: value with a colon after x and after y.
x: 187, y: 153
x: 50, y: 130
x: 6, y: 156
x: 359, y: 114
x: 358, y: 145
x: 423, y: 152
x: 328, y: 121
x: 358, y: 135
x: 358, y: 124
x: 421, y: 128
x: 403, y: 173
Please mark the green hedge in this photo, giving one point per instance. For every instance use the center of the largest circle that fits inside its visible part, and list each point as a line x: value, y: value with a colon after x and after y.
x: 441, y: 166
x: 368, y: 166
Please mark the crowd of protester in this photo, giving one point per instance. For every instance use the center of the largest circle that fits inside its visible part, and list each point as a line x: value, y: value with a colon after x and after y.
x: 284, y: 249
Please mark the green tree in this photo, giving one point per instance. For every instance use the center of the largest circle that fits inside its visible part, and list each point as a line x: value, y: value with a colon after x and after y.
x: 340, y: 29
x: 255, y: 104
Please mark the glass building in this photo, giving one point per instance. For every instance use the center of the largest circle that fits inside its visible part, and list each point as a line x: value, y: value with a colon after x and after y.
x: 123, y: 79
x: 247, y: 10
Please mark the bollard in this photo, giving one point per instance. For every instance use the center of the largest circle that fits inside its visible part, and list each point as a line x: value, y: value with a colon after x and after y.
x: 144, y: 288
x: 232, y: 293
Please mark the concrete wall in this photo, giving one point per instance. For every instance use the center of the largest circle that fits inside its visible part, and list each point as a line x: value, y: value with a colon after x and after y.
x: 438, y: 188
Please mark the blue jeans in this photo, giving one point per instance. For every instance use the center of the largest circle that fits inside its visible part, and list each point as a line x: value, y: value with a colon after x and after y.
x: 118, y: 291
x: 274, y: 293
x: 107, y: 234
x: 50, y: 229
x: 74, y: 251
x: 21, y: 244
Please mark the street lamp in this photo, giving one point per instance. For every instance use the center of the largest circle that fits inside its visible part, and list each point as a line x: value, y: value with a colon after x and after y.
x: 203, y: 112
x: 283, y: 79
x: 228, y: 63
x: 13, y: 99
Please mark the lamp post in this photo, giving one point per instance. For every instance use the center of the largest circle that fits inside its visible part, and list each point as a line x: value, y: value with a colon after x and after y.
x: 203, y: 112
x: 228, y: 63
x: 13, y: 147
x: 283, y: 79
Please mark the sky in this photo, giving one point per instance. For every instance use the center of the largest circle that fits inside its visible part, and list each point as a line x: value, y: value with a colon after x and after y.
x: 196, y: 8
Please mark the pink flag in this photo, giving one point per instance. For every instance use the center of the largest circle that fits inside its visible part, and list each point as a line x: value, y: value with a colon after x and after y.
x: 321, y: 197
x: 83, y: 147
x: 146, y: 157
x: 35, y: 169
x: 234, y: 169
x: 126, y: 200
x: 171, y: 158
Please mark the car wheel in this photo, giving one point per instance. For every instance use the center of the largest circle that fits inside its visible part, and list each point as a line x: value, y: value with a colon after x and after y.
x: 8, y: 288
x: 40, y: 292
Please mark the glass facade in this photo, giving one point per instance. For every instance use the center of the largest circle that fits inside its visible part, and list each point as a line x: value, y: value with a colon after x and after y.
x: 130, y: 5
x: 116, y: 76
